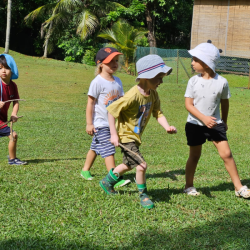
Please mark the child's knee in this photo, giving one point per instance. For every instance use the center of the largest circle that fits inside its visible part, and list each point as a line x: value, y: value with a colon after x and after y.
x: 227, y: 154
x: 142, y: 167
x: 15, y: 136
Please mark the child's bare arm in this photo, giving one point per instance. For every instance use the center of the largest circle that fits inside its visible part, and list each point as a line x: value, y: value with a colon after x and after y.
x: 209, y: 121
x: 224, y: 110
x: 14, y: 111
x: 114, y: 139
x: 164, y: 123
x: 1, y: 104
x: 90, y: 129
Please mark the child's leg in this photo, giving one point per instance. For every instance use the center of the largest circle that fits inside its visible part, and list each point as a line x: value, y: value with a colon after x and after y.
x: 194, y: 156
x: 12, y: 146
x: 142, y: 187
x: 141, y: 173
x: 90, y: 158
x: 226, y: 155
x: 110, y: 162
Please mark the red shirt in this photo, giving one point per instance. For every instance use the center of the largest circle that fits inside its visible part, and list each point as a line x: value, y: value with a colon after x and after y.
x: 10, y: 92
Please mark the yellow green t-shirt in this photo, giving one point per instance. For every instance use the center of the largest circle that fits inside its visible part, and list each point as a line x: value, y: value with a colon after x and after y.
x: 133, y: 111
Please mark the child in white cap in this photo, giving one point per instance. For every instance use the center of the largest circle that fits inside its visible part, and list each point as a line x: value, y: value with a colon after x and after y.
x: 204, y: 94
x: 133, y: 111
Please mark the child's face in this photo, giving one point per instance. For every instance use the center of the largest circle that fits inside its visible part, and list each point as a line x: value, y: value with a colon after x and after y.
x: 110, y: 67
x: 198, y: 65
x: 156, y: 81
x: 5, y: 74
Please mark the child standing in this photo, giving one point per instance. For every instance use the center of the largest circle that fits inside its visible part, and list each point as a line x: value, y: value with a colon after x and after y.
x: 204, y: 95
x: 133, y: 111
x: 103, y: 90
x: 9, y: 91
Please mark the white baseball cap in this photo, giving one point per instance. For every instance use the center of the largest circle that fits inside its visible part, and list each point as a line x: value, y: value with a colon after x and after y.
x: 207, y: 53
x: 151, y: 65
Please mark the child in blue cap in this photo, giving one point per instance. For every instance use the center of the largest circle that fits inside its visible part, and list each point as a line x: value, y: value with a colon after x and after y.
x: 9, y: 91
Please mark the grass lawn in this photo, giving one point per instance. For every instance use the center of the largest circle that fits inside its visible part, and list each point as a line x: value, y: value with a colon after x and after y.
x: 47, y: 205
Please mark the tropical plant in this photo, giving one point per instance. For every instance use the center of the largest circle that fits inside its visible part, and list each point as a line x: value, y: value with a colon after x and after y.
x: 125, y: 37
x: 86, y: 14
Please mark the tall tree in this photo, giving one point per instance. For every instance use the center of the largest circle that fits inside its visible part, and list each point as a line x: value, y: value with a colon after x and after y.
x: 7, y: 41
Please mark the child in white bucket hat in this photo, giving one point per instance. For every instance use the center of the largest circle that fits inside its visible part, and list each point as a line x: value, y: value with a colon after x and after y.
x: 133, y: 111
x: 205, y: 93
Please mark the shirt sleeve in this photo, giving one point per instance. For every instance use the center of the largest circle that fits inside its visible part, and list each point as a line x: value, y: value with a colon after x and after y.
x: 157, y: 112
x: 120, y: 83
x: 119, y: 105
x: 94, y: 89
x: 189, y: 90
x: 225, y: 92
x: 16, y: 94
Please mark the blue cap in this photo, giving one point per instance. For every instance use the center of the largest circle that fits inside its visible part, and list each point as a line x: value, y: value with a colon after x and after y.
x: 12, y: 64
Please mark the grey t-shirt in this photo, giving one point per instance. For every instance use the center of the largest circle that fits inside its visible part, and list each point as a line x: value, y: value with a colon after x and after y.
x: 207, y: 95
x: 105, y: 93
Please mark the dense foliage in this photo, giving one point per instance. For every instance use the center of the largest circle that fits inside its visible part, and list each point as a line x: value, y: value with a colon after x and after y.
x: 168, y: 25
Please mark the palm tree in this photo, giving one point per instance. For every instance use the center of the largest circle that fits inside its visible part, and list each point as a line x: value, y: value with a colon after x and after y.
x: 86, y: 14
x: 125, y: 37
x: 7, y: 41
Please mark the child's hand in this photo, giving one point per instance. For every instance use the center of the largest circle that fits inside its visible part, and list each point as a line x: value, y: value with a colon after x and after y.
x: 114, y: 139
x: 90, y: 129
x: 171, y: 130
x: 1, y: 104
x: 226, y: 126
x: 209, y: 121
x: 13, y: 118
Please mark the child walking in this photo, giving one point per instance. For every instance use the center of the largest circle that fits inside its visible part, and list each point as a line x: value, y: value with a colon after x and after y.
x: 205, y: 93
x: 9, y: 91
x: 104, y: 90
x: 133, y: 111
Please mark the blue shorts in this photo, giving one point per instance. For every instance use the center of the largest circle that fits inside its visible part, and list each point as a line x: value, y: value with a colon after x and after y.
x: 101, y: 144
x: 5, y: 132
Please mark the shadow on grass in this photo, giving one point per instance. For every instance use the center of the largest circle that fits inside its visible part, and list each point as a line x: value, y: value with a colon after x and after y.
x: 52, y: 160
x: 170, y: 174
x: 226, y: 232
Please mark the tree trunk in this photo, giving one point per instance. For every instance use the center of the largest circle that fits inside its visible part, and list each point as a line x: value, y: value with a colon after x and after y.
x: 150, y: 25
x: 46, y: 43
x: 7, y: 41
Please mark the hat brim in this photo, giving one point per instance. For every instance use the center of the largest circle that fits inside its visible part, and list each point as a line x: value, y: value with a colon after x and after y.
x: 110, y: 57
x: 151, y: 74
x: 197, y: 54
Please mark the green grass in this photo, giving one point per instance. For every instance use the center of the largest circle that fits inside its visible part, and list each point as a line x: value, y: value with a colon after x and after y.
x: 47, y: 205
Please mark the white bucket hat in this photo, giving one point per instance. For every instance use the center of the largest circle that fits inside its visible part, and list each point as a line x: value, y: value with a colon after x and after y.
x: 207, y: 53
x: 151, y: 65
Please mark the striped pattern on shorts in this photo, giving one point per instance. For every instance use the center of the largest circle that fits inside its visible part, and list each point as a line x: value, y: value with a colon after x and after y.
x: 101, y: 144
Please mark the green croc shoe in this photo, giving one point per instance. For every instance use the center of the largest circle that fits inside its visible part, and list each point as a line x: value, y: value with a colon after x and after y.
x: 122, y: 183
x: 108, y: 182
x: 86, y: 175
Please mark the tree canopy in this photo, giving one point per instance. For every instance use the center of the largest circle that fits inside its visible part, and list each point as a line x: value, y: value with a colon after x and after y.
x: 168, y: 24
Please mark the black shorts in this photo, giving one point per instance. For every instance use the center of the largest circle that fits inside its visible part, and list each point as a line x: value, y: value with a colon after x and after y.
x: 197, y: 135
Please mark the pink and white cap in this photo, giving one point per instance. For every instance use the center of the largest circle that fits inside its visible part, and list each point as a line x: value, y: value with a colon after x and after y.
x: 151, y: 65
